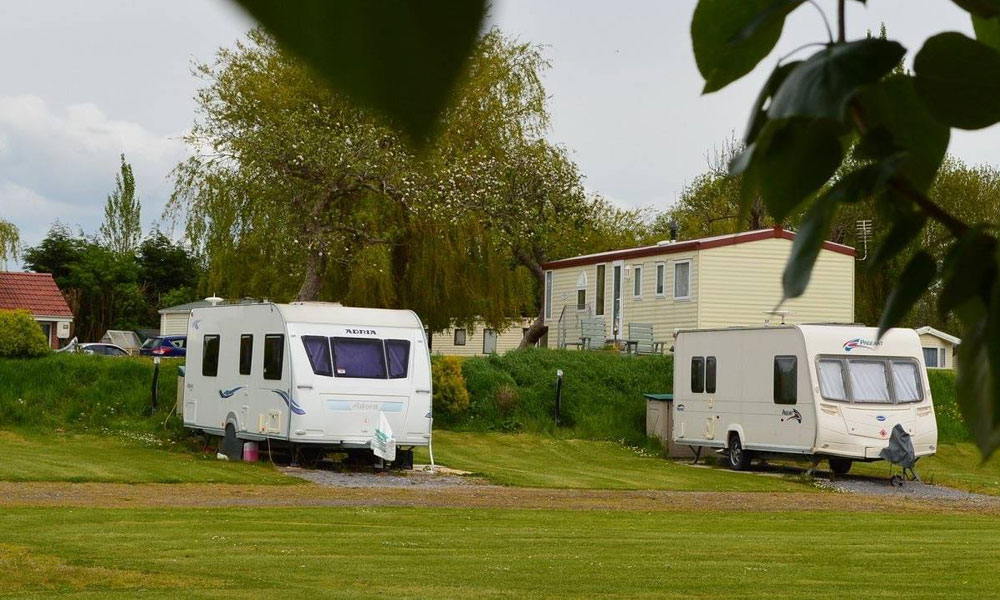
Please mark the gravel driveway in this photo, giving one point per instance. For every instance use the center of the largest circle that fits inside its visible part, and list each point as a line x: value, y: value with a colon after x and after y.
x: 911, y: 489
x: 420, y: 476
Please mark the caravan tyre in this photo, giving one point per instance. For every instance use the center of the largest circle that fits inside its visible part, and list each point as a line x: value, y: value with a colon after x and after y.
x: 840, y: 466
x: 231, y: 445
x: 739, y: 459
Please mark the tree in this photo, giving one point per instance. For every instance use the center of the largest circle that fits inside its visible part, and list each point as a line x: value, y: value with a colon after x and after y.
x: 848, y: 91
x: 10, y: 241
x: 122, y: 226
x: 165, y: 266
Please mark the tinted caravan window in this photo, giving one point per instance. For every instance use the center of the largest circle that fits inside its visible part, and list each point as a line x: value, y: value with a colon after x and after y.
x: 398, y: 354
x: 710, y: 374
x: 274, y: 355
x: 698, y: 374
x: 318, y: 350
x: 786, y: 380
x: 210, y: 356
x: 246, y: 353
x: 358, y: 357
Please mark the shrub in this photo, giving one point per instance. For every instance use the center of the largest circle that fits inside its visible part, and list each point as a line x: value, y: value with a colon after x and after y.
x: 506, y: 398
x: 20, y: 335
x: 450, y: 395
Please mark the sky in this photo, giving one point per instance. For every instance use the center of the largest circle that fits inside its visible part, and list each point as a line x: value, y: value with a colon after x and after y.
x: 81, y: 83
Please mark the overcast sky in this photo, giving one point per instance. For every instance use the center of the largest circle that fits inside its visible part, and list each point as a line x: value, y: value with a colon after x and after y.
x: 82, y: 82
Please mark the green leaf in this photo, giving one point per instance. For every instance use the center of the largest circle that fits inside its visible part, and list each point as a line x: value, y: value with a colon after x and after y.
x: 790, y: 160
x: 987, y: 30
x: 916, y: 277
x: 808, y: 242
x: 983, y: 8
x: 899, y: 121
x: 402, y: 58
x: 759, y: 116
x: 730, y: 37
x: 823, y: 84
x: 958, y: 79
x: 965, y: 275
x: 977, y: 380
x: 906, y: 226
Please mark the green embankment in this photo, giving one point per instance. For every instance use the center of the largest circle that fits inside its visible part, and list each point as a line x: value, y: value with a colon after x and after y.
x: 370, y: 552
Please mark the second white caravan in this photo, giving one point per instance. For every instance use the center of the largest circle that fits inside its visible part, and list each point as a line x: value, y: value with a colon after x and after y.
x: 830, y: 392
x: 316, y: 375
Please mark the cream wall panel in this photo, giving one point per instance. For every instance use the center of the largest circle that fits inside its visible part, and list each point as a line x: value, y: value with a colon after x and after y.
x: 443, y: 342
x: 174, y: 323
x: 740, y: 283
x: 932, y: 341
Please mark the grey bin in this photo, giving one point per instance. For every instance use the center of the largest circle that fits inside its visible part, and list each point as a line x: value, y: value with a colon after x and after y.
x: 660, y: 424
x: 180, y: 390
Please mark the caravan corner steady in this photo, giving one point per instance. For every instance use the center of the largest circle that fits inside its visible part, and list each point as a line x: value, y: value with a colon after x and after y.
x: 315, y: 375
x: 830, y: 392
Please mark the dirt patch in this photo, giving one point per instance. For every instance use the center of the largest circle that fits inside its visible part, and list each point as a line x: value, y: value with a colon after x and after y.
x: 458, y: 496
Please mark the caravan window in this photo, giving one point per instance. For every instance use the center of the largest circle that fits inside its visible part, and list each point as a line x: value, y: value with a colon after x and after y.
x: 398, y: 354
x: 359, y: 357
x: 868, y: 381
x: 710, y: 374
x: 786, y: 380
x: 210, y: 356
x: 318, y: 350
x: 246, y: 353
x: 906, y: 381
x: 697, y: 374
x: 831, y: 380
x: 274, y: 355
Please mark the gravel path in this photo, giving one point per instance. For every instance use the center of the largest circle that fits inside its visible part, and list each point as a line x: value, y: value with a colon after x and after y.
x: 420, y: 476
x: 911, y: 489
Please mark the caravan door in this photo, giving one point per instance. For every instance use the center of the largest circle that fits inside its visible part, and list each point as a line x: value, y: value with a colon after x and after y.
x: 617, y: 298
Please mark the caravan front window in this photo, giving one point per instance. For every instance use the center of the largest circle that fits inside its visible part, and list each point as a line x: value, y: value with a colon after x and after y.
x: 398, y: 353
x: 868, y: 381
x: 831, y: 380
x: 359, y: 357
x: 906, y: 381
x: 318, y: 350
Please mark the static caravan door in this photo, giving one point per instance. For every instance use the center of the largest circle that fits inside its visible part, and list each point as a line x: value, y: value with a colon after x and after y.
x: 617, y: 298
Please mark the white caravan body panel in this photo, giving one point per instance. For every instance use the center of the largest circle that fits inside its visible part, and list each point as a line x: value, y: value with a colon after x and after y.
x: 339, y: 368
x: 850, y: 390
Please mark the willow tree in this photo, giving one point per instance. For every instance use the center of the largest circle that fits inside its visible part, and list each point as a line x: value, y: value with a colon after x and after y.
x: 10, y: 241
x: 296, y: 192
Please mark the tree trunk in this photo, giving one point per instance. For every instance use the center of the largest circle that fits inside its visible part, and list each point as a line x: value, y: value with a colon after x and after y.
x: 313, y: 280
x: 538, y: 328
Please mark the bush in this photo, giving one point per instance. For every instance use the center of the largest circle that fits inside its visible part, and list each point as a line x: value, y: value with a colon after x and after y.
x: 20, y: 335
x: 451, y: 397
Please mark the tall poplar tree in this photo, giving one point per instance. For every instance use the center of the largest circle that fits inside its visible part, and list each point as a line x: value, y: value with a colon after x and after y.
x: 121, y: 230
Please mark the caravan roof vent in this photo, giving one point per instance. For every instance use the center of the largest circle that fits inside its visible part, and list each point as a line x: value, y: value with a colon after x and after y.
x: 214, y: 300
x: 664, y: 242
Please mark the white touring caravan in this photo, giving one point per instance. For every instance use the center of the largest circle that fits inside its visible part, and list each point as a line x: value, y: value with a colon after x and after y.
x: 319, y: 376
x: 830, y: 392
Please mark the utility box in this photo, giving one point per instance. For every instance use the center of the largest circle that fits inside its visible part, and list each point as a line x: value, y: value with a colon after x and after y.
x: 180, y: 390
x: 660, y: 424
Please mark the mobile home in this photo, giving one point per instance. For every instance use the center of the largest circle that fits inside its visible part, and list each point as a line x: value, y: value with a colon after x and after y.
x: 315, y: 375
x: 830, y: 392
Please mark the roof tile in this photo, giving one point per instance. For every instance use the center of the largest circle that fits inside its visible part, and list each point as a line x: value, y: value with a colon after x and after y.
x: 35, y: 292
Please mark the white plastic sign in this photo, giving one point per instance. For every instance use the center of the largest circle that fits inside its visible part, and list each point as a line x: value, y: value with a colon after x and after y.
x: 383, y: 444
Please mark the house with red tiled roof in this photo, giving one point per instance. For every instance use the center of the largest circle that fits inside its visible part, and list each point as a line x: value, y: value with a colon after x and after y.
x: 38, y: 294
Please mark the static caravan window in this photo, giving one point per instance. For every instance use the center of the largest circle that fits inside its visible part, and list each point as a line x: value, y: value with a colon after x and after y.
x: 697, y: 374
x: 868, y: 381
x: 459, y: 337
x: 637, y: 281
x: 932, y: 358
x: 785, y: 380
x: 599, y: 292
x: 548, y: 294
x: 246, y: 353
x: 661, y: 279
x: 274, y: 355
x: 210, y: 356
x: 710, y: 368
x: 361, y: 358
x: 318, y: 350
x: 682, y: 280
x: 581, y: 299
x: 831, y: 380
x: 397, y: 353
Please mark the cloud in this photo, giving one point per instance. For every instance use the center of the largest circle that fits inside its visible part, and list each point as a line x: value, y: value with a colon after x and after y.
x: 61, y: 164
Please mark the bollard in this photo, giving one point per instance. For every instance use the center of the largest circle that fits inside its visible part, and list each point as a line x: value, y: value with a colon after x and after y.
x: 156, y: 379
x: 559, y: 379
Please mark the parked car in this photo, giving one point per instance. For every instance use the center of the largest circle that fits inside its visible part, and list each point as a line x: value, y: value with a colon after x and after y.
x: 165, y: 345
x: 101, y: 349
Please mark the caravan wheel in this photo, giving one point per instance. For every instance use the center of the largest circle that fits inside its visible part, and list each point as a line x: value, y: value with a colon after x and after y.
x: 739, y: 459
x: 840, y: 466
x: 231, y: 445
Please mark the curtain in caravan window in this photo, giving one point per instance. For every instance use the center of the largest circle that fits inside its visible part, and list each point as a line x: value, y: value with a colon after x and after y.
x: 931, y: 357
x: 398, y: 353
x: 905, y: 381
x: 831, y: 380
x: 682, y: 280
x: 318, y: 350
x: 868, y: 383
x: 359, y: 357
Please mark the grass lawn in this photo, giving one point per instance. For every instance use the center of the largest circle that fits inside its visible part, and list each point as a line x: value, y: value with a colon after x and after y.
x: 535, y: 461
x: 51, y: 457
x: 455, y: 553
x: 955, y: 465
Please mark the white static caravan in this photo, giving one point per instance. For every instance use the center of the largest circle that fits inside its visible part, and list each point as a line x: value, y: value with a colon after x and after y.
x: 821, y: 391
x: 316, y: 375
